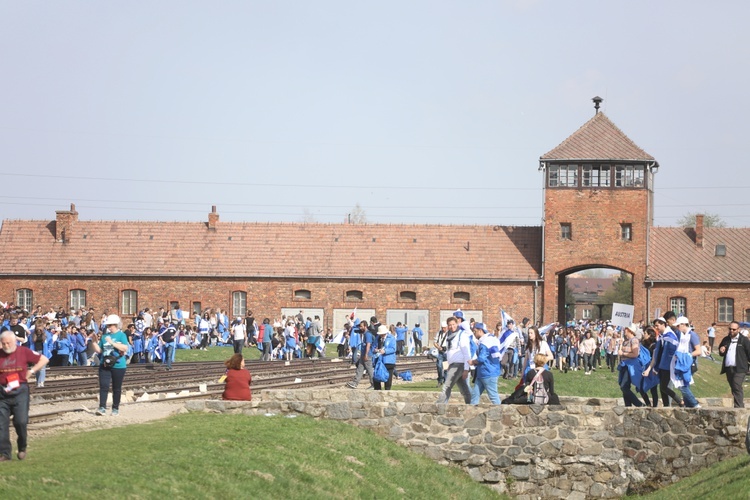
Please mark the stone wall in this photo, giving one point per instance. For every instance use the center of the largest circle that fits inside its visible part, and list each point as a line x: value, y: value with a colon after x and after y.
x: 584, y: 448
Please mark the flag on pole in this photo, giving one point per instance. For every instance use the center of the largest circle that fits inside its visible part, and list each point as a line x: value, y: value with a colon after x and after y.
x: 509, y: 335
x: 546, y: 328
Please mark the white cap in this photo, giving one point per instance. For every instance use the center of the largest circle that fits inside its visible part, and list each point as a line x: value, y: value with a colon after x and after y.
x: 112, y: 319
x: 682, y: 320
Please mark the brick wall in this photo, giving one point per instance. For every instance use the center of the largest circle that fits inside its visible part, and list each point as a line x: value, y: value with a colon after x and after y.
x: 266, y: 297
x: 595, y: 217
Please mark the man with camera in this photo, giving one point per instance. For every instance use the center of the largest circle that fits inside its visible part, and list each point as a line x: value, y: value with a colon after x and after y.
x: 14, y: 391
x: 112, y: 347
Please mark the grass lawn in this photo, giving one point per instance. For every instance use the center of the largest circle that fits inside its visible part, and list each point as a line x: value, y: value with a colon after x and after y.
x: 603, y: 384
x: 725, y: 480
x: 225, y: 352
x: 231, y: 456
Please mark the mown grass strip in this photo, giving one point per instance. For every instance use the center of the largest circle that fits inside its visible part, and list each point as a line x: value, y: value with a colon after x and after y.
x: 231, y: 456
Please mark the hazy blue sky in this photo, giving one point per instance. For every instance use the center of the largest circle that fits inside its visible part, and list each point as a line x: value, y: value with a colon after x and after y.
x: 286, y: 110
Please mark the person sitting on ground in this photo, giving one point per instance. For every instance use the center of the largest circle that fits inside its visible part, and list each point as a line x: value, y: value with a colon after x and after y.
x: 238, y: 380
x: 706, y: 351
x: 540, y: 383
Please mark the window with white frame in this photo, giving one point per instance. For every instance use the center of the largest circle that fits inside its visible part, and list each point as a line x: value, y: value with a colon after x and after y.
x: 239, y: 304
x: 25, y: 298
x: 77, y: 299
x: 129, y: 304
x: 678, y: 305
x: 726, y: 310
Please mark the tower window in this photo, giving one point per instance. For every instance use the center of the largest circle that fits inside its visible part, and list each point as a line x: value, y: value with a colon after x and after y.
x: 626, y: 232
x: 629, y: 175
x: 563, y: 176
x: 596, y: 176
x: 566, y: 231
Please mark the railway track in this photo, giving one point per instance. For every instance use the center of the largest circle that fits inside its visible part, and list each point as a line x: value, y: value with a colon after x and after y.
x: 80, y: 384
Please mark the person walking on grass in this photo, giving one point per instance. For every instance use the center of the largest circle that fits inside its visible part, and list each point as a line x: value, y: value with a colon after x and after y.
x: 458, y: 354
x: 736, y: 351
x: 487, y: 365
x: 689, y: 347
x: 661, y: 361
x: 14, y: 391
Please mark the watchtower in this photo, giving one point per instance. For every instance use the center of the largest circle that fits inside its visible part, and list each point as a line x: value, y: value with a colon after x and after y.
x: 598, y: 210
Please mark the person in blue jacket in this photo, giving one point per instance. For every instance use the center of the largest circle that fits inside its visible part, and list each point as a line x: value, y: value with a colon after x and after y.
x: 400, y: 338
x: 487, y: 365
x: 64, y: 347
x: 81, y: 343
x: 417, y: 333
x: 387, y: 349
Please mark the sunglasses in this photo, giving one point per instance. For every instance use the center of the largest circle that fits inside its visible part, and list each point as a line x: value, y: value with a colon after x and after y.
x: 733, y: 329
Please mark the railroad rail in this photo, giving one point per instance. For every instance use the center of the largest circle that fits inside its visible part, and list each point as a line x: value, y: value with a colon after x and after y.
x: 80, y: 384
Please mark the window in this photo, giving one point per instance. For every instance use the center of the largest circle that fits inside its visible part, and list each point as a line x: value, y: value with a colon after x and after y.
x: 596, y: 176
x: 566, y: 231
x: 586, y: 314
x: 626, y: 232
x: 721, y: 251
x: 239, y: 304
x: 77, y: 299
x: 678, y: 305
x: 629, y: 175
x: 129, y: 302
x: 563, y: 176
x: 353, y: 296
x: 747, y: 315
x: 726, y: 310
x: 25, y: 299
x: 461, y: 297
x: 407, y: 296
x: 196, y: 308
x: 302, y: 295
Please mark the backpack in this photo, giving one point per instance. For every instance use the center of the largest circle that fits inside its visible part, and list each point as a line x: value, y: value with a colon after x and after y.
x: 538, y: 394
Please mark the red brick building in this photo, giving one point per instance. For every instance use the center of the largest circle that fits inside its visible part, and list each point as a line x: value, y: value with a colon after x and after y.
x: 598, y: 212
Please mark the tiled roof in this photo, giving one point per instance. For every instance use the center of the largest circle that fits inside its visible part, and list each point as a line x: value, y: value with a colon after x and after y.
x: 598, y: 139
x: 272, y: 250
x: 674, y: 255
x: 590, y: 285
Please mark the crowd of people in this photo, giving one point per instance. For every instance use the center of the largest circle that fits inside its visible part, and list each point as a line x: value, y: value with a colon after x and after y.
x: 652, y: 360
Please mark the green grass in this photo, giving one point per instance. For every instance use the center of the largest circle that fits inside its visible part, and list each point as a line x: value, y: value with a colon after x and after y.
x: 602, y: 383
x: 724, y: 480
x: 231, y: 456
x: 225, y: 352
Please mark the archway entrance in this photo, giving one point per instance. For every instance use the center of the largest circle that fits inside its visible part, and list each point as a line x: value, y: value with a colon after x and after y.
x: 588, y: 292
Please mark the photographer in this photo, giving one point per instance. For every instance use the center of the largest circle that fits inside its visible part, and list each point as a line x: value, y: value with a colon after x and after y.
x: 111, y: 348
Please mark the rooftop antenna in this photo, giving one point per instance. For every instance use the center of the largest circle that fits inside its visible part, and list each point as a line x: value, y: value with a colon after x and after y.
x: 597, y: 101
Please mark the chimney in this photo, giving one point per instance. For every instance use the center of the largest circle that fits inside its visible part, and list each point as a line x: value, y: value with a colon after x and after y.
x: 64, y: 223
x: 213, y: 218
x: 699, y: 231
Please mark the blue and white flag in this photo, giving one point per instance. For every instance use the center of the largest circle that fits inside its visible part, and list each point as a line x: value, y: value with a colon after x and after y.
x: 339, y: 338
x: 546, y: 328
x: 506, y: 317
x: 409, y: 343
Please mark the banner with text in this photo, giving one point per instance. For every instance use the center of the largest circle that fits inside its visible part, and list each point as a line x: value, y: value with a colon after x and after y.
x: 622, y: 314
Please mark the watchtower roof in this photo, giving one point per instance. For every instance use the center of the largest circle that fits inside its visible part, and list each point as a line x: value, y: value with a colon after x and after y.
x: 598, y: 139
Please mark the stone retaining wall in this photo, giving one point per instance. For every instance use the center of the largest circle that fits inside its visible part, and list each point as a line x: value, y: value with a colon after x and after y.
x: 584, y: 448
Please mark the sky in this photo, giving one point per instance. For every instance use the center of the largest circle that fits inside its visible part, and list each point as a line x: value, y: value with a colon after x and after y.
x: 418, y: 112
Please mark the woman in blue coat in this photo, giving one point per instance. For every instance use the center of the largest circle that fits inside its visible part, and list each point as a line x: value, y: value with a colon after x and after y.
x: 387, y: 350
x: 64, y: 348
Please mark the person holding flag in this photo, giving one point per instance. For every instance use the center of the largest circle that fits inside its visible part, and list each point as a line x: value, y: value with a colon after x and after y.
x: 508, y: 340
x: 458, y: 355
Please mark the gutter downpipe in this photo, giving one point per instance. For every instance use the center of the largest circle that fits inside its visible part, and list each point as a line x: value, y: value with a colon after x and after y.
x: 543, y: 169
x: 651, y: 170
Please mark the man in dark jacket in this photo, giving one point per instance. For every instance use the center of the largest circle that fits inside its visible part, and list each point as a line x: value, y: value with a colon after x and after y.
x: 736, y: 351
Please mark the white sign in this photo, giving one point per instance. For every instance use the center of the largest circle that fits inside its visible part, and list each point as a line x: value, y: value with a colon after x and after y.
x: 622, y: 314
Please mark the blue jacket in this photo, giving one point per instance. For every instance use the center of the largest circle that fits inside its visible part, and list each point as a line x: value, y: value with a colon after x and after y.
x: 354, y: 339
x: 666, y: 346
x: 389, y: 344
x: 64, y: 347
x: 417, y: 333
x: 400, y: 333
x: 366, y: 339
x: 488, y: 357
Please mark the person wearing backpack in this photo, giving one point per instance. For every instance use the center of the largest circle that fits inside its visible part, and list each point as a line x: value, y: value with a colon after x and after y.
x: 540, y: 383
